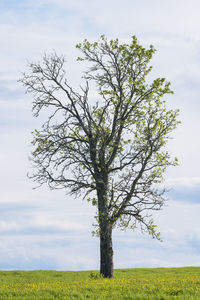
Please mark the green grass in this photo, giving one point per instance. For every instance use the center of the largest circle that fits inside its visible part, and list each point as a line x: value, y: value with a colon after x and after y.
x: 160, y: 284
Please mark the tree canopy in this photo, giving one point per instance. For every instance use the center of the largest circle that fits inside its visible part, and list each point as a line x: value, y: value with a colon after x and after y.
x: 110, y: 151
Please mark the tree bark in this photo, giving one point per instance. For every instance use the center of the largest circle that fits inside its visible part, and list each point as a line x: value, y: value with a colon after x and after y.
x: 106, y: 250
x: 105, y: 226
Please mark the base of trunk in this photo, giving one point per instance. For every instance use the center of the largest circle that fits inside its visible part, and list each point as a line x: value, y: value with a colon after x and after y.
x: 106, y: 251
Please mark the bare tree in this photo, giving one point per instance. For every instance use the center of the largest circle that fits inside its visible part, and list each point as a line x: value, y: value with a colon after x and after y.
x: 111, y: 149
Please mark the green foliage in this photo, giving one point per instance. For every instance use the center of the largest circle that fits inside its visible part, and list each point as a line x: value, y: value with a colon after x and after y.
x: 160, y: 283
x: 92, y: 200
x: 152, y: 230
x: 95, y: 275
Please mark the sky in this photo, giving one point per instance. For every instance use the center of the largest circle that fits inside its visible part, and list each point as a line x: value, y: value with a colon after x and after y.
x: 43, y: 229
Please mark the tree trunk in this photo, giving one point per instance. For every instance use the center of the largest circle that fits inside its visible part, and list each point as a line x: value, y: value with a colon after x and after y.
x: 105, y: 226
x: 106, y: 250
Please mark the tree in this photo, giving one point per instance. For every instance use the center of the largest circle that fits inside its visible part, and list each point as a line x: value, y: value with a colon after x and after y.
x: 111, y: 152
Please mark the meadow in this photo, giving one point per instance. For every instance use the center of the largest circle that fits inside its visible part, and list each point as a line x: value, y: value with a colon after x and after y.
x: 159, y: 284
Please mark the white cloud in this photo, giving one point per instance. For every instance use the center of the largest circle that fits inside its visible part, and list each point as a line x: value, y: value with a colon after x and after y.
x: 46, y: 221
x: 27, y: 216
x: 179, y: 225
x: 142, y: 17
x: 179, y: 220
x: 34, y: 242
x: 186, y: 182
x: 9, y: 226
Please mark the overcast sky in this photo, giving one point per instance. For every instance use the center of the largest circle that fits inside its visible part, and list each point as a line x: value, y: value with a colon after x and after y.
x: 42, y: 229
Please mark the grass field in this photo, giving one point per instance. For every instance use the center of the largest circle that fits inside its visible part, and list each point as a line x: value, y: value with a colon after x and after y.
x: 161, y: 283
